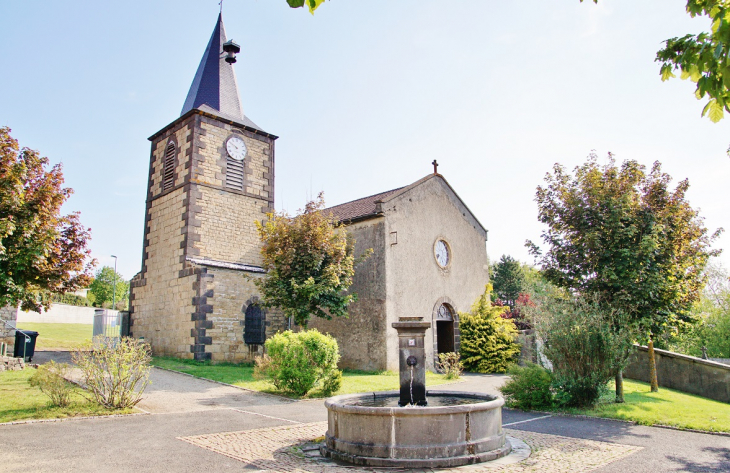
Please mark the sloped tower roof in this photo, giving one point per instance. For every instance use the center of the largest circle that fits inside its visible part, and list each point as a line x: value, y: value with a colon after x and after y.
x: 214, y: 88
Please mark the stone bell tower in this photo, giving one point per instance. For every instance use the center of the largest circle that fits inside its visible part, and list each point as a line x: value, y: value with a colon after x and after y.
x: 211, y: 176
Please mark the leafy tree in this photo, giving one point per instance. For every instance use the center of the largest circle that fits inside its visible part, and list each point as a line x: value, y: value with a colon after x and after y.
x: 587, y: 343
x: 309, y: 263
x: 509, y: 280
x: 311, y: 4
x: 622, y: 236
x: 713, y: 315
x: 102, y: 288
x: 40, y: 249
x: 487, y: 340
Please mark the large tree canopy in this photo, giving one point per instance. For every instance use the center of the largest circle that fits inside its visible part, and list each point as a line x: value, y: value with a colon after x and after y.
x: 104, y: 290
x: 622, y: 235
x: 40, y: 250
x: 309, y: 263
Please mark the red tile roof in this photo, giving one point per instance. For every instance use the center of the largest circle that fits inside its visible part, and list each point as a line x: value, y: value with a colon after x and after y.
x: 359, y: 208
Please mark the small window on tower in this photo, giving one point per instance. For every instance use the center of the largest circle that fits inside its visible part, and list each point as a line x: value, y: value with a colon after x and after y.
x: 168, y: 168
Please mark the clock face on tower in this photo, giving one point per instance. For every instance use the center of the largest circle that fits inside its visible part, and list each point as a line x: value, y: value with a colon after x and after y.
x: 236, y: 148
x: 441, y: 253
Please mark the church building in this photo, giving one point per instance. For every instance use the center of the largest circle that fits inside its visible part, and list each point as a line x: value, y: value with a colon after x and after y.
x: 429, y: 260
x: 211, y: 177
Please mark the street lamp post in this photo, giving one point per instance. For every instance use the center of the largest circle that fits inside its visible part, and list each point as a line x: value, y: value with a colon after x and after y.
x: 114, y: 285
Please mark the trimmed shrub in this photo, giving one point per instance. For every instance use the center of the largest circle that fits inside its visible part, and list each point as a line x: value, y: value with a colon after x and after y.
x: 51, y: 379
x: 299, y: 361
x: 450, y: 364
x: 487, y: 340
x: 528, y: 387
x: 116, y: 372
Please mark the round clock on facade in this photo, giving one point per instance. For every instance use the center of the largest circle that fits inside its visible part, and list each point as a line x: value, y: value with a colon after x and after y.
x: 441, y: 252
x: 236, y: 148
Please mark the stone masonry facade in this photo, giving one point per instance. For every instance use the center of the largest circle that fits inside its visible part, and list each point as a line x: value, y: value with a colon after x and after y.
x: 201, y: 247
x: 7, y: 335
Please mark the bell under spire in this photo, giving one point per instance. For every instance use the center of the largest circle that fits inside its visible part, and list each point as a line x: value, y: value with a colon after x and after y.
x: 214, y: 88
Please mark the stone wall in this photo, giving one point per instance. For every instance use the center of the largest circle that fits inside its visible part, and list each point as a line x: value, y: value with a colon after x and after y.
x: 59, y: 314
x: 8, y: 363
x: 233, y: 292
x: 7, y: 334
x: 684, y: 373
x: 362, y: 336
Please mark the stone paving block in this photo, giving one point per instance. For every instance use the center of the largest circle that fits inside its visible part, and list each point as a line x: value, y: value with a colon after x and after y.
x: 284, y: 449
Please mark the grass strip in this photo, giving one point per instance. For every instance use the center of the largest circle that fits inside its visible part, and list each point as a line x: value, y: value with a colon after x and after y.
x: 20, y: 401
x: 353, y: 381
x: 59, y: 336
x: 666, y: 407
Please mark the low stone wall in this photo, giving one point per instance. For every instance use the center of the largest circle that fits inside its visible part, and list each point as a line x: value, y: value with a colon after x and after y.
x: 8, y: 363
x: 724, y: 361
x: 684, y: 373
x: 528, y: 347
x: 59, y: 314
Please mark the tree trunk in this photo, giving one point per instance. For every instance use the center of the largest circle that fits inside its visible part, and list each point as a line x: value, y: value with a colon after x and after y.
x: 652, y: 366
x: 620, y: 387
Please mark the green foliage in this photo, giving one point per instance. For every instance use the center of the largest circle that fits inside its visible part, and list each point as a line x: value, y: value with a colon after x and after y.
x: 713, y: 320
x: 69, y: 299
x: 103, y: 289
x: 116, y: 372
x: 529, y: 387
x: 509, y: 280
x: 703, y: 58
x: 51, y: 379
x: 332, y: 383
x: 487, y: 340
x: 40, y: 249
x: 450, y: 365
x: 298, y: 361
x: 309, y: 264
x: 621, y: 235
x: 586, y: 345
x: 311, y: 4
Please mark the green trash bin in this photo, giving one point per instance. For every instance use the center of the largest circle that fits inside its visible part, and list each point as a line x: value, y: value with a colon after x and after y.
x: 25, y: 344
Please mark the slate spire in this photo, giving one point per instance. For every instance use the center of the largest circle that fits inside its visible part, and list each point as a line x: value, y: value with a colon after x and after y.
x: 215, y: 83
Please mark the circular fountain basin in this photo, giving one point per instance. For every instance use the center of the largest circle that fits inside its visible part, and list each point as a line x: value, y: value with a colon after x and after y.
x: 454, y: 429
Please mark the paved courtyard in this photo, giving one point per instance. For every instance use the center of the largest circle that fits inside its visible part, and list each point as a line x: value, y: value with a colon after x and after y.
x: 193, y: 425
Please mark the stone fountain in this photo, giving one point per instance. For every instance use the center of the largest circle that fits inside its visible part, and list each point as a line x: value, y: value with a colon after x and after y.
x: 415, y: 428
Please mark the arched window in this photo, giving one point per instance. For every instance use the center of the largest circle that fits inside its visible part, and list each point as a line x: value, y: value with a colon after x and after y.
x: 168, y: 168
x: 254, y: 330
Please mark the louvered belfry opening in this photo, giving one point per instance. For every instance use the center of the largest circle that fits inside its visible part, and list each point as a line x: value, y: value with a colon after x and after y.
x: 168, y: 170
x: 234, y: 174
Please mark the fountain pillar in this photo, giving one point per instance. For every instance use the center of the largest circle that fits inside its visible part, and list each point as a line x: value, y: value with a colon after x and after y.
x: 412, y: 360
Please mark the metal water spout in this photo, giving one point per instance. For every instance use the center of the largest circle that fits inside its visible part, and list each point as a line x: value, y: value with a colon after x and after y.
x: 412, y: 360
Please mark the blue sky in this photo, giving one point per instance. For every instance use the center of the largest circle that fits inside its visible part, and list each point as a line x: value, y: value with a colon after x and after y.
x: 364, y: 95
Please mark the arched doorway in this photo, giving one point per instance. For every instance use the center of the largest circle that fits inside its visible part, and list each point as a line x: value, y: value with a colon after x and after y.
x: 445, y: 340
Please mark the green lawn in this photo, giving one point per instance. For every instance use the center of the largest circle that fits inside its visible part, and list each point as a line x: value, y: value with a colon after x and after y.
x: 667, y: 407
x: 242, y: 375
x: 59, y: 336
x: 20, y: 401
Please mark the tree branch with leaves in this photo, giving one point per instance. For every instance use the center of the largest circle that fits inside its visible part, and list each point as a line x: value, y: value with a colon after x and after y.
x: 40, y: 249
x: 309, y: 263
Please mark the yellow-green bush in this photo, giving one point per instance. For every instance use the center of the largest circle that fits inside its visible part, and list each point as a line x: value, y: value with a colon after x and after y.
x: 298, y: 361
x: 487, y: 340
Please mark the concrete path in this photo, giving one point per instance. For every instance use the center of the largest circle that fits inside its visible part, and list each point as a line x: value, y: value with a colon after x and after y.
x: 184, y: 406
